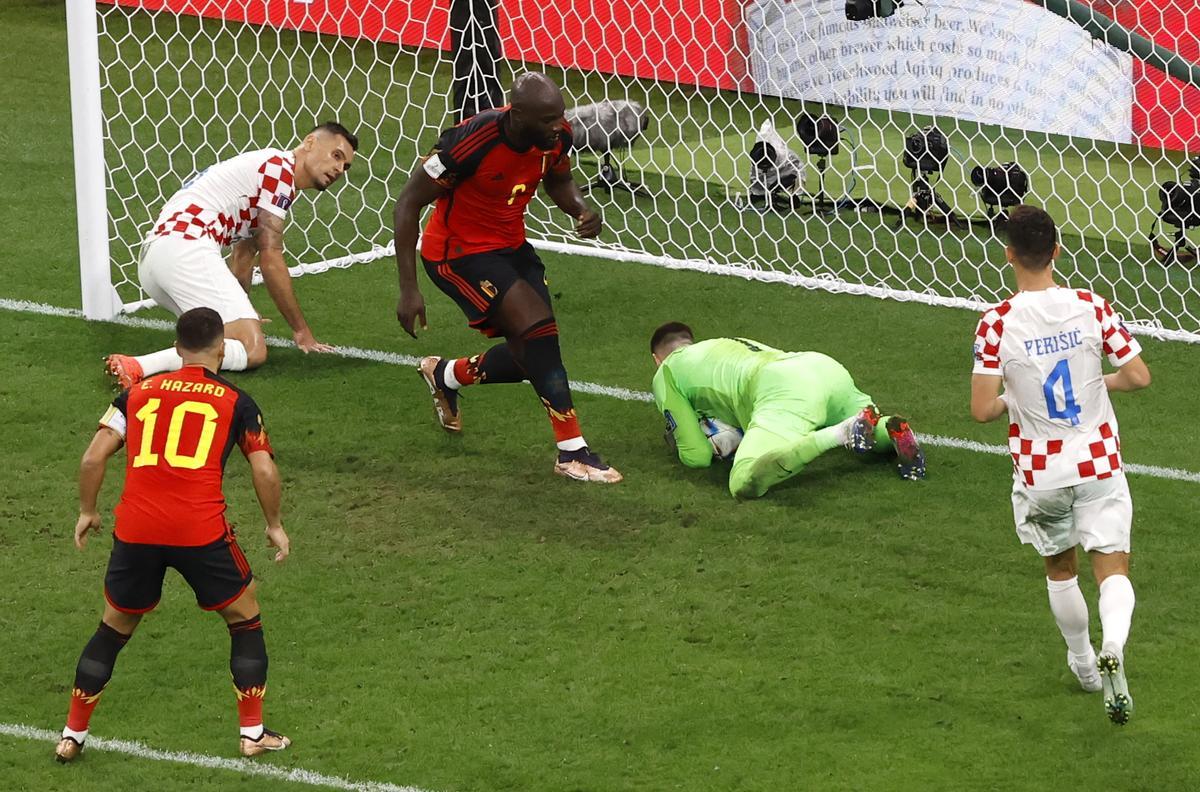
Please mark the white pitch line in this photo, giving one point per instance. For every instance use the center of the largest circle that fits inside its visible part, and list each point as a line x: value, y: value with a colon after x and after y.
x: 244, y: 766
x: 595, y: 389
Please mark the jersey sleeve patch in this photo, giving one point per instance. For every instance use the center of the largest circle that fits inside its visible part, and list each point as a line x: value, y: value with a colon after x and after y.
x: 987, y: 341
x: 277, y: 188
x: 460, y: 148
x: 434, y: 166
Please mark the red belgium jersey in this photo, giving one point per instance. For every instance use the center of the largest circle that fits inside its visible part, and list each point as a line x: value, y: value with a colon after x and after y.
x: 179, y: 428
x: 490, y: 182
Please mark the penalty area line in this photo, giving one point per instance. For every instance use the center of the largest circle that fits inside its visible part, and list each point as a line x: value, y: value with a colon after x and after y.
x: 595, y: 389
x: 244, y: 766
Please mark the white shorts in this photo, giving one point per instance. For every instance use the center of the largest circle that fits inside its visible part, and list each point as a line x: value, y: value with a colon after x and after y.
x: 182, y: 274
x: 1095, y: 514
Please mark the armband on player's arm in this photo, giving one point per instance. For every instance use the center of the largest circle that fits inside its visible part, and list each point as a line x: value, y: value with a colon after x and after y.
x: 269, y: 238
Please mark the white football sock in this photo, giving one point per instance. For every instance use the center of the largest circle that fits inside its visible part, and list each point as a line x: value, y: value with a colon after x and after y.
x: 235, y: 356
x: 1116, y: 612
x: 158, y: 362
x: 574, y: 444
x: 253, y: 732
x: 78, y: 736
x: 833, y: 436
x: 1071, y: 612
x: 448, y: 378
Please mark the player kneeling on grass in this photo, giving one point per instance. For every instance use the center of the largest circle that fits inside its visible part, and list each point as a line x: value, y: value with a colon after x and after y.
x: 1046, y: 346
x: 179, y: 429
x: 241, y: 202
x: 787, y: 407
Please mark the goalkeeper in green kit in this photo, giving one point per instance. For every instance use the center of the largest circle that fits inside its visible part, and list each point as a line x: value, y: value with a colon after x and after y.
x: 772, y: 412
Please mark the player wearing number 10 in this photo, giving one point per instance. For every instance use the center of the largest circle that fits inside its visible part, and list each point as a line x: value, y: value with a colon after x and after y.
x: 1046, y: 345
x: 180, y: 428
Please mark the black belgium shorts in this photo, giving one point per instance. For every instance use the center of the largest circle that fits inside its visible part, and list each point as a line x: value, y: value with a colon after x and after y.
x: 477, y: 282
x: 218, y: 573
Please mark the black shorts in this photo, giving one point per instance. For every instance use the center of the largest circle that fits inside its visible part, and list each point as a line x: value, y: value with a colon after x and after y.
x: 218, y: 573
x: 479, y: 281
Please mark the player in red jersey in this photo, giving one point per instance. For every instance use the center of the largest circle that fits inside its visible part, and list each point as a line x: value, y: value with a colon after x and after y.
x: 179, y: 428
x: 482, y: 174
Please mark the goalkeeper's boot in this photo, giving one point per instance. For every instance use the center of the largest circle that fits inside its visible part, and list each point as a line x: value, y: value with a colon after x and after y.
x: 266, y: 742
x: 1085, y: 672
x: 861, y: 437
x: 125, y: 368
x: 1118, y: 704
x: 68, y: 748
x: 583, y: 465
x: 445, y: 400
x: 910, y: 459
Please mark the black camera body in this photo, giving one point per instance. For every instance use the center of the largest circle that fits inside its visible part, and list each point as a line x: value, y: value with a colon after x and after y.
x: 820, y: 136
x: 926, y: 151
x: 1001, y: 185
x: 860, y: 10
x: 1181, y: 200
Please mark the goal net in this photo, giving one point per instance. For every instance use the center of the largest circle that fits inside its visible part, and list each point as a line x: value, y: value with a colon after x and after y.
x: 784, y: 141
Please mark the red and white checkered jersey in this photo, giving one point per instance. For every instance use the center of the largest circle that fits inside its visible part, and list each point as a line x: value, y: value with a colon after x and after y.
x: 221, y: 203
x: 1049, y: 346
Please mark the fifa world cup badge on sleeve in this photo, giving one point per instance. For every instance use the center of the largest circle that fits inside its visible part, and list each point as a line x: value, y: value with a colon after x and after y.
x: 434, y: 166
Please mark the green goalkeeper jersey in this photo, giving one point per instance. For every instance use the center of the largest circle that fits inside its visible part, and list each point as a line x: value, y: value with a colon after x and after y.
x: 715, y: 379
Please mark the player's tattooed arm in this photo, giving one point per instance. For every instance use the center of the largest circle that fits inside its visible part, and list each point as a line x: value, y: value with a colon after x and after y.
x: 242, y: 260
x: 562, y: 189
x: 420, y: 191
x: 268, y: 237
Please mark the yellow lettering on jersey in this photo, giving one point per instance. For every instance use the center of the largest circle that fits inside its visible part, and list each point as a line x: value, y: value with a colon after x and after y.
x: 516, y: 190
x: 218, y: 391
x: 148, y: 415
x: 203, y: 445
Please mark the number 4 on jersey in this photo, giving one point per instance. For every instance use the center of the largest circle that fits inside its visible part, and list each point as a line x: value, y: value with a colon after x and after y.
x: 1070, y: 410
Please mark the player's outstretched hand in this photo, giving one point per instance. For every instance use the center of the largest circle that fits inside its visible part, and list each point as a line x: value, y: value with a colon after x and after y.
x: 88, y: 521
x: 588, y: 225
x: 306, y: 343
x: 278, y: 538
x: 410, y: 308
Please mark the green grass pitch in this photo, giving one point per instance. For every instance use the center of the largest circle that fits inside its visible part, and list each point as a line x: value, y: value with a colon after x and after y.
x: 456, y: 618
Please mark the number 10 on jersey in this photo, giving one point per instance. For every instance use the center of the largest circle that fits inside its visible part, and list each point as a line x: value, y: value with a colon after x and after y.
x: 1061, y: 375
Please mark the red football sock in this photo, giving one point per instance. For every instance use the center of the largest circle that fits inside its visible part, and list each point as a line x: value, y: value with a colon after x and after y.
x: 466, y: 370
x: 248, y: 666
x: 80, y: 713
x: 565, y: 425
x: 250, y: 705
x: 92, y: 674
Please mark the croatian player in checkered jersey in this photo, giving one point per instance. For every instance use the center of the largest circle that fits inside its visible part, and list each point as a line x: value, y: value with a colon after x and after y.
x: 240, y: 203
x: 1046, y: 345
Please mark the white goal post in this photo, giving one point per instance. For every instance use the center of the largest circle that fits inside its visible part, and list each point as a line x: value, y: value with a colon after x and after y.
x: 1023, y: 104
